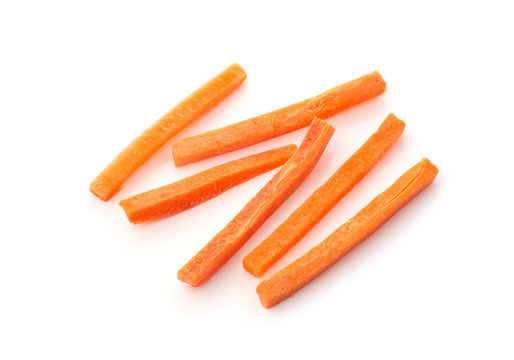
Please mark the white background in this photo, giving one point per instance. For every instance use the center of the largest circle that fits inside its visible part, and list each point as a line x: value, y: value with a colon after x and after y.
x: 79, y: 81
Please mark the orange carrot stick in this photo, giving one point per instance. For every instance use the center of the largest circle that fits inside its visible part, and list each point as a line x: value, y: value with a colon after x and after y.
x: 259, y: 208
x: 324, y: 198
x: 300, y: 272
x: 109, y: 181
x: 278, y: 122
x: 193, y: 190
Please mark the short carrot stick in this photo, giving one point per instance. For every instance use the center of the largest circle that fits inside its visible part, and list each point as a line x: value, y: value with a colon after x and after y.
x: 324, y: 198
x: 109, y: 181
x: 300, y: 272
x: 278, y: 122
x: 259, y: 208
x: 193, y: 190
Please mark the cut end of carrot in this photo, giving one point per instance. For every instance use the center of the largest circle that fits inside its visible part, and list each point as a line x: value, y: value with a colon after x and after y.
x: 178, y: 160
x: 102, y: 192
x: 379, y: 78
x: 252, y: 266
x: 238, y: 71
x: 188, y: 279
x: 131, y: 216
x: 394, y: 119
x: 430, y: 169
x: 381, y: 85
x: 266, y: 301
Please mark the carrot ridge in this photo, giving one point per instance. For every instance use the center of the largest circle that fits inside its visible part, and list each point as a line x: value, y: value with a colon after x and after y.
x: 306, y: 268
x: 110, y: 180
x: 230, y: 239
x: 324, y: 198
x: 195, y: 189
x: 278, y: 122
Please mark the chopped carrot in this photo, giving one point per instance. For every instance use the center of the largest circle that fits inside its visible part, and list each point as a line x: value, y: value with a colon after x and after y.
x: 324, y: 198
x: 278, y: 122
x: 300, y: 272
x: 259, y: 208
x: 193, y: 190
x: 109, y: 181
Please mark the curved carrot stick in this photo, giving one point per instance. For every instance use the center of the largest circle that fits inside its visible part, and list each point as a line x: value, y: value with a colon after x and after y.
x: 300, y: 272
x: 193, y: 190
x: 324, y: 198
x: 109, y: 181
x: 278, y: 122
x: 259, y: 208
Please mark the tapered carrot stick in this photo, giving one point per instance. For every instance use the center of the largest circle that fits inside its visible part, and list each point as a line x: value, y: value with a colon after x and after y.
x: 300, y: 272
x: 259, y: 208
x: 109, y: 181
x: 278, y: 122
x: 193, y: 190
x: 324, y: 198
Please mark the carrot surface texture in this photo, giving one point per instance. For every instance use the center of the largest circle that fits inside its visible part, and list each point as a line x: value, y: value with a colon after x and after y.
x: 109, y: 181
x: 303, y: 219
x: 259, y: 208
x: 300, y: 272
x: 278, y: 122
x: 193, y: 190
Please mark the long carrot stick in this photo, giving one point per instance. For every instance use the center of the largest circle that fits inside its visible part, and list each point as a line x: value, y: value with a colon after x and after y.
x: 259, y: 208
x: 193, y: 190
x: 324, y: 198
x: 300, y: 272
x: 278, y: 122
x: 109, y: 181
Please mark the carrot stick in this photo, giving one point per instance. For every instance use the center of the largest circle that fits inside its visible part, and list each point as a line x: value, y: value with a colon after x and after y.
x: 109, y: 181
x: 193, y: 190
x: 300, y: 272
x: 324, y: 198
x: 278, y: 122
x: 259, y: 208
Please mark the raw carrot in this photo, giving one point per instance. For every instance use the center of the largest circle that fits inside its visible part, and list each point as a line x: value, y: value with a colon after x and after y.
x: 259, y: 208
x: 278, y: 122
x: 324, y: 198
x: 109, y: 181
x: 193, y: 190
x: 300, y: 272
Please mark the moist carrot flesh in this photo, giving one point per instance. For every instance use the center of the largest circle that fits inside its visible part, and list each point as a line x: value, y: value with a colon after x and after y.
x: 109, y: 181
x: 300, y: 272
x: 259, y: 208
x: 278, y: 122
x: 303, y: 219
x: 193, y: 190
